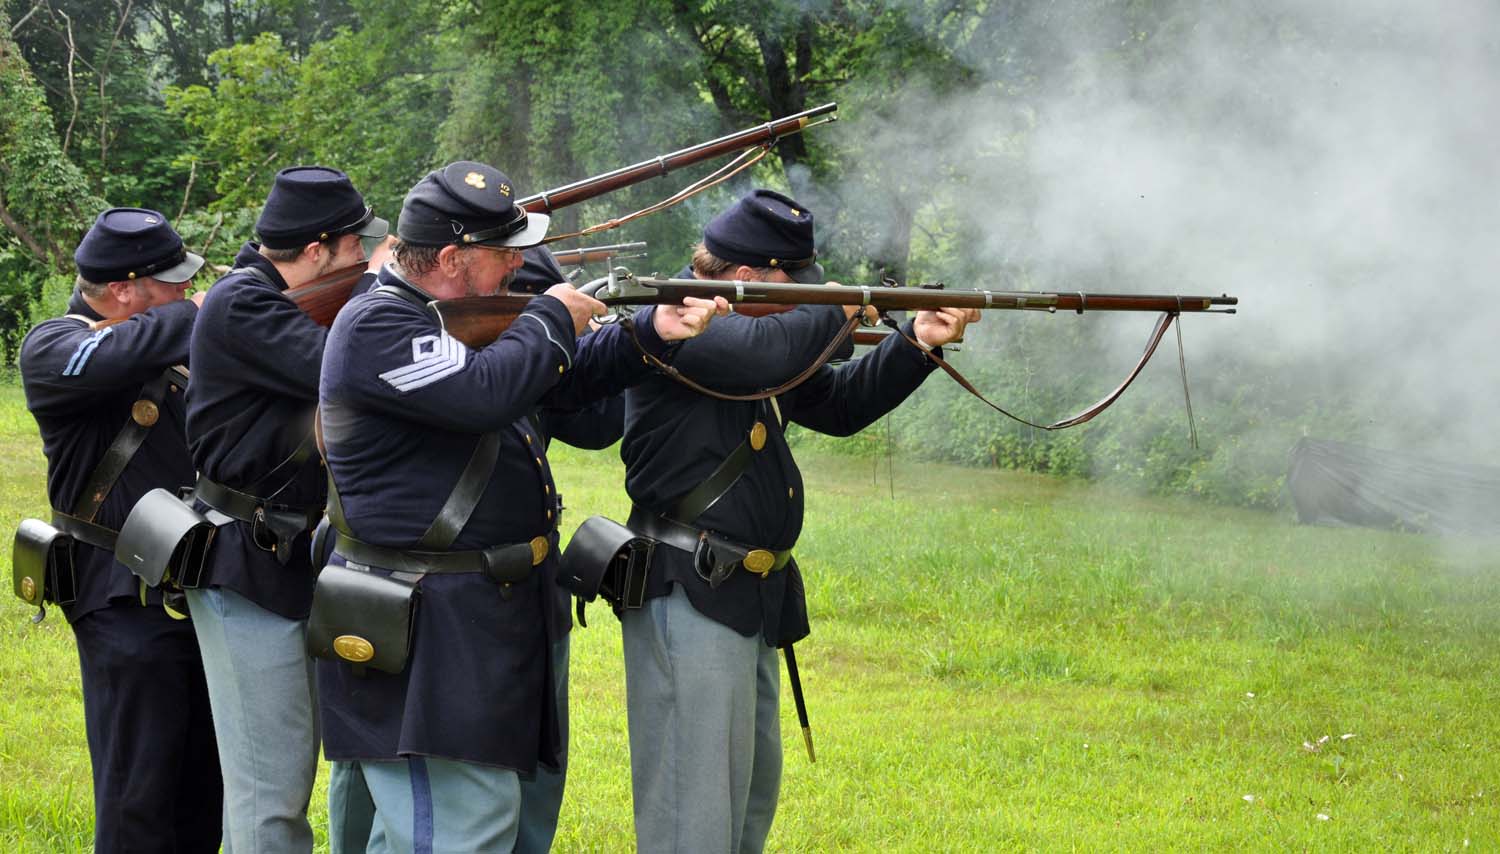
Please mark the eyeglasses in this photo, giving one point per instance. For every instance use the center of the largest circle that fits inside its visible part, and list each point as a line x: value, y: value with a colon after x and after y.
x: 507, y: 251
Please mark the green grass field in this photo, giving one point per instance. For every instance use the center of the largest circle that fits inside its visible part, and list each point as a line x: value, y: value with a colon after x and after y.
x: 1008, y: 662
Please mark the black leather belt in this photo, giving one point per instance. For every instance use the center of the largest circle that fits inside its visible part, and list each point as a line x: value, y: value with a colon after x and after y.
x: 84, y: 531
x: 714, y: 557
x: 507, y: 564
x: 243, y: 505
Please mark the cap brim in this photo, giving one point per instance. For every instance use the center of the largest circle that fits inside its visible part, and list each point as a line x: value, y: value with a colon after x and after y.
x: 181, y: 272
x: 531, y: 235
x: 812, y: 274
x: 376, y: 227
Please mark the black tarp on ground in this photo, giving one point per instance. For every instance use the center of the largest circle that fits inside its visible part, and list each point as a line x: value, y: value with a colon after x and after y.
x: 1336, y: 483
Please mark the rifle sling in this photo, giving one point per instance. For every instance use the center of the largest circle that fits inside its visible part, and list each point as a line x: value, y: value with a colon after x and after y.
x: 119, y: 453
x: 678, y: 376
x: 1088, y: 413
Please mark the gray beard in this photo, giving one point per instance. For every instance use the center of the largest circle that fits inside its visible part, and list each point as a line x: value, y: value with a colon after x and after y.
x: 471, y: 287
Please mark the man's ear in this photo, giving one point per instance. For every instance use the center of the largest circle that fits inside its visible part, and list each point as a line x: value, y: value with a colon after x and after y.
x: 744, y: 273
x: 314, y: 251
x: 450, y: 260
x: 123, y: 292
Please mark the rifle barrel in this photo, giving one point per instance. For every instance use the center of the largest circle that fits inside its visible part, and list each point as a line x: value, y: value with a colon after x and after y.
x: 651, y: 291
x: 592, y: 254
x: 588, y: 188
x: 322, y: 298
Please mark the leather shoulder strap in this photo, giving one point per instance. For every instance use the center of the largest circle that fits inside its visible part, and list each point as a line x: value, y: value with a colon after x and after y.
x: 464, y: 497
x: 143, y: 415
x: 286, y: 470
x: 253, y: 271
x: 401, y: 293
x: 717, y: 484
x: 456, y: 510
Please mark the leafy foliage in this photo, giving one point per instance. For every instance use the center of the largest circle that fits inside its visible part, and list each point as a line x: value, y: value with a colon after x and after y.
x: 219, y: 94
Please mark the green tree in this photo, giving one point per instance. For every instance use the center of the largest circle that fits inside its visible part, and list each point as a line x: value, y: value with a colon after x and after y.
x: 45, y: 201
x: 364, y: 101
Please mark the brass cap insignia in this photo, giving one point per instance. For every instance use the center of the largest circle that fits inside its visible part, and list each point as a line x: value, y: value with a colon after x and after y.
x: 757, y: 436
x: 539, y: 548
x: 28, y: 589
x: 505, y: 190
x: 475, y: 180
x: 796, y: 212
x: 760, y: 561
x: 353, y: 648
x: 144, y: 412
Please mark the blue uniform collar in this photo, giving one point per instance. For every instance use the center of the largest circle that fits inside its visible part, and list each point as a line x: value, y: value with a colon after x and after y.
x: 389, y: 276
x: 80, y: 306
x: 249, y: 256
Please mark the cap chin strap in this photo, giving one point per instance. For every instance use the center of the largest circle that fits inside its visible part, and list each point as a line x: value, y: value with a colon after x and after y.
x: 364, y: 220
x: 517, y: 224
x: 166, y: 263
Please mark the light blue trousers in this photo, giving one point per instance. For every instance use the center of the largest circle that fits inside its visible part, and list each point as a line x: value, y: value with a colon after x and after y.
x: 426, y: 805
x: 705, y: 732
x: 265, y: 705
x: 351, y: 810
x: 541, y: 798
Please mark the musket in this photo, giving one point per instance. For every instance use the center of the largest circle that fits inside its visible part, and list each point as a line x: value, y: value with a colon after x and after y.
x: 322, y: 297
x: 477, y: 321
x: 656, y: 291
x: 597, y: 254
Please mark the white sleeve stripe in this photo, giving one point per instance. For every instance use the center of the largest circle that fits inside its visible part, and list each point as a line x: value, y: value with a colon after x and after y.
x: 450, y: 353
x: 447, y: 360
x: 85, y: 350
x: 547, y: 330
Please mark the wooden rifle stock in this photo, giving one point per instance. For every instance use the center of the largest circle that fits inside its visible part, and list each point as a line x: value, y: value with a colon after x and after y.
x: 478, y: 321
x: 322, y: 298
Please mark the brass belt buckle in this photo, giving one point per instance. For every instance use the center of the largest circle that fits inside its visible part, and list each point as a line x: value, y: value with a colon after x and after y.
x: 760, y: 562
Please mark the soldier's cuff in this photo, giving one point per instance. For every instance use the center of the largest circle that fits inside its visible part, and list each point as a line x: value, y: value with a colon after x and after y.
x: 651, y: 342
x: 922, y: 349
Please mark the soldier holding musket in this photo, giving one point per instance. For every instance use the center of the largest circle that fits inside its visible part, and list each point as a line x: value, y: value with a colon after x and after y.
x: 102, y: 385
x: 445, y: 701
x: 256, y: 359
x: 714, y: 483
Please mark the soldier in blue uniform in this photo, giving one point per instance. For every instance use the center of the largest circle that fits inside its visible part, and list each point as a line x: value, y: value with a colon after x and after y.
x: 596, y: 427
x: 256, y: 358
x: 90, y: 377
x: 705, y: 744
x: 444, y: 743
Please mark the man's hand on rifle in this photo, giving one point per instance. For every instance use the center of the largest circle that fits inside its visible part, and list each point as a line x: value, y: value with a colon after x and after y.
x: 581, y: 306
x: 943, y: 326
x: 679, y: 322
